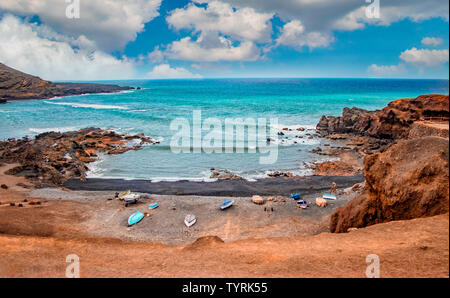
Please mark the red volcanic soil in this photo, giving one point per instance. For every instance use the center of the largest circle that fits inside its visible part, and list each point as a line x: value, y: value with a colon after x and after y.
x: 36, y: 238
x: 409, y: 180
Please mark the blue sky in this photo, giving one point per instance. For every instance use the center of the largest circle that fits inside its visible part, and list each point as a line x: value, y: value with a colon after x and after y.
x: 157, y: 39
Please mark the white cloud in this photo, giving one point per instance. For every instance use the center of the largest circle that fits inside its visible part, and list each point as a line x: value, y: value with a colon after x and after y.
x: 164, y: 71
x: 111, y: 24
x: 156, y: 56
x: 432, y: 41
x: 40, y: 51
x: 323, y: 17
x: 216, y: 48
x: 293, y: 34
x: 240, y: 24
x: 386, y: 70
x: 222, y: 33
x: 425, y: 57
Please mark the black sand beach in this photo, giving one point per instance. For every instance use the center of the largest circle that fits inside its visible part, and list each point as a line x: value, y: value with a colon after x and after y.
x: 231, y: 188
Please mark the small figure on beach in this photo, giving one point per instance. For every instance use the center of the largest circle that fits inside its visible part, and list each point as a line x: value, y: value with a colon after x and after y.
x: 333, y: 189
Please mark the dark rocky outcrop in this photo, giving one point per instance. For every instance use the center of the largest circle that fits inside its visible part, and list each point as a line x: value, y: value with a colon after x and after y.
x: 409, y: 180
x: 221, y: 174
x: 392, y: 122
x: 18, y: 85
x: 52, y: 158
x: 352, y: 121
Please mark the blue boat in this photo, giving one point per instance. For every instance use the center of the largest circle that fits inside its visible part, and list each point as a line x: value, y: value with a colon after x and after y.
x: 226, y: 204
x: 135, y: 218
x: 153, y: 206
x: 296, y: 196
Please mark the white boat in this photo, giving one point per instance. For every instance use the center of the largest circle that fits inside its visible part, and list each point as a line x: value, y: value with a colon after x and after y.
x: 190, y: 220
x: 329, y: 197
x: 125, y: 193
x: 131, y: 197
x: 302, y: 204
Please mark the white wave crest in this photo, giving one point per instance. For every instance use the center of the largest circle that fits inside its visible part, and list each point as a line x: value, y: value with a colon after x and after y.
x: 88, y: 106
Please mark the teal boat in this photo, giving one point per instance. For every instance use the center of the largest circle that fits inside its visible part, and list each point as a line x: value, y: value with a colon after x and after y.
x: 135, y: 218
x: 153, y: 206
x: 329, y: 197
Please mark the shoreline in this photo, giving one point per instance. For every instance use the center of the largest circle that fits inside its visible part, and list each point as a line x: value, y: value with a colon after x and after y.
x: 234, y: 188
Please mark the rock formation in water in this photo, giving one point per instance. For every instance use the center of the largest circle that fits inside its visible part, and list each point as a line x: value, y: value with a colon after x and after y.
x: 52, y: 158
x: 18, y: 85
x: 406, y: 166
x: 392, y: 122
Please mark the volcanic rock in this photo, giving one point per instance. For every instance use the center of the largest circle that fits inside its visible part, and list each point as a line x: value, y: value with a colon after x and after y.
x: 52, y: 158
x: 258, y: 200
x: 392, y: 122
x: 224, y: 175
x: 18, y: 85
x: 409, y: 180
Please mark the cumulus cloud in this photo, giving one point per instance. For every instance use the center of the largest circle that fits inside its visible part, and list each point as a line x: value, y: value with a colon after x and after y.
x: 432, y: 41
x: 424, y: 57
x: 240, y: 24
x: 323, y: 17
x: 386, y: 70
x: 232, y: 30
x: 156, y: 56
x: 221, y: 49
x: 111, y: 24
x: 40, y: 51
x: 293, y: 34
x: 164, y: 71
x: 221, y: 33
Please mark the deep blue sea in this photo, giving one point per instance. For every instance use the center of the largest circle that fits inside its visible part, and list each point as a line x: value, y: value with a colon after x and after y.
x: 295, y: 102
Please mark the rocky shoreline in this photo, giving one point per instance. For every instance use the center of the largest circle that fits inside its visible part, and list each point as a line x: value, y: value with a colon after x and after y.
x: 16, y: 85
x: 52, y: 158
x: 402, y: 156
x: 405, y: 150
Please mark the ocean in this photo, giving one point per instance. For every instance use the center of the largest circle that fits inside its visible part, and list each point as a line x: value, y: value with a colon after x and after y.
x: 294, y: 102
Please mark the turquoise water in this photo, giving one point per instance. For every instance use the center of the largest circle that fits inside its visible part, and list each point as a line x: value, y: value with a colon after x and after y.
x: 295, y: 102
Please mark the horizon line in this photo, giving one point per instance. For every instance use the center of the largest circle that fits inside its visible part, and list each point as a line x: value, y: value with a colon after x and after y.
x: 249, y: 78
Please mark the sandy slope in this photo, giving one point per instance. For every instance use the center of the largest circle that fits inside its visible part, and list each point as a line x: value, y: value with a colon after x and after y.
x: 35, y: 240
x: 415, y: 248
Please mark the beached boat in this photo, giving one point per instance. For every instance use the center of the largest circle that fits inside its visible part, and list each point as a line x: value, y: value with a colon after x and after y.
x: 226, y: 204
x: 296, y: 196
x: 131, y: 197
x: 329, y: 197
x: 190, y: 220
x: 123, y: 194
x: 302, y: 204
x: 153, y: 206
x: 135, y: 218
